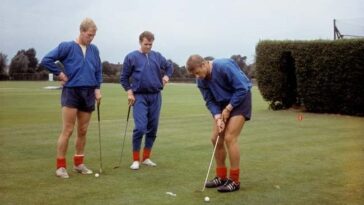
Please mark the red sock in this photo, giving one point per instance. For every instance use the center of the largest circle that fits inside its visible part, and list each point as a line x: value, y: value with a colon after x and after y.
x: 146, y: 153
x: 221, y: 172
x: 78, y: 159
x: 234, y: 175
x: 136, y: 155
x: 61, y: 162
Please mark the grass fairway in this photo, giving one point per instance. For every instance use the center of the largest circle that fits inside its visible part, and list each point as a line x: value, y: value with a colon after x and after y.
x: 319, y: 160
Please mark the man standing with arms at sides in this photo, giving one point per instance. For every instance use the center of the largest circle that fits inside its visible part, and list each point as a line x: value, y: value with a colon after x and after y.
x: 226, y: 91
x: 149, y: 72
x: 81, y: 80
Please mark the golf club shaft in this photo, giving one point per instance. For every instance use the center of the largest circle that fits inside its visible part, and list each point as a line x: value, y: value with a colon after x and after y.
x: 122, y: 145
x: 99, y: 125
x: 212, y: 158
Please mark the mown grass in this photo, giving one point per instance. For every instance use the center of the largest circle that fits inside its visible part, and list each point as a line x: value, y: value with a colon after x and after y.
x: 319, y: 160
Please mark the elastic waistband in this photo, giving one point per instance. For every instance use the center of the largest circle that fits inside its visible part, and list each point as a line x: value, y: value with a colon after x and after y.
x: 147, y: 93
x: 82, y: 87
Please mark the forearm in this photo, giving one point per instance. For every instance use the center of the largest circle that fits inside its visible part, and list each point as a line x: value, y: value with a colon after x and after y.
x: 49, y: 63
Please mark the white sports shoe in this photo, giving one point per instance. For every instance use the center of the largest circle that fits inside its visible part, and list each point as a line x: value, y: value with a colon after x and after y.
x: 135, y: 165
x: 82, y: 169
x: 62, y: 173
x: 149, y: 162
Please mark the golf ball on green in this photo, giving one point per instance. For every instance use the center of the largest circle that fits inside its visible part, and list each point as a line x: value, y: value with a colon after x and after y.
x: 97, y: 175
x: 207, y: 199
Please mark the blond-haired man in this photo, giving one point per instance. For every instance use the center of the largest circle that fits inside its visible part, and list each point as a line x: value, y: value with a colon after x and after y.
x: 81, y: 79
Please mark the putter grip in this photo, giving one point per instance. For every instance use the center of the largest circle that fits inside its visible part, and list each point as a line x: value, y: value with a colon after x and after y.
x: 127, y: 118
x: 98, y: 112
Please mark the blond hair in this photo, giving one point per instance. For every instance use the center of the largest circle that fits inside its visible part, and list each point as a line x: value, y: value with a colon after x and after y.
x: 87, y: 24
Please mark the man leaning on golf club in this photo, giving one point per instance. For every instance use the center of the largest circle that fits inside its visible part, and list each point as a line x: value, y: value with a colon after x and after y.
x: 149, y: 72
x: 81, y: 80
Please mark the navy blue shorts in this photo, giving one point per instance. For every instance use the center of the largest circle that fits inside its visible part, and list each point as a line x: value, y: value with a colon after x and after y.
x: 245, y: 108
x: 82, y: 98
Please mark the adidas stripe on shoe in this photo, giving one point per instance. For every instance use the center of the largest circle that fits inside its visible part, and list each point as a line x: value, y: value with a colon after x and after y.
x: 215, y: 182
x: 229, y: 186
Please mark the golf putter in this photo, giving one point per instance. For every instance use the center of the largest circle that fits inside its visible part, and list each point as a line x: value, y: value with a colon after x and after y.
x: 122, y: 146
x: 212, y: 158
x: 99, y: 124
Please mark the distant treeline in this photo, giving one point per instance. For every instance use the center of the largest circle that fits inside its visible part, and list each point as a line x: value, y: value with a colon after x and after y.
x: 25, y: 66
x: 112, y: 71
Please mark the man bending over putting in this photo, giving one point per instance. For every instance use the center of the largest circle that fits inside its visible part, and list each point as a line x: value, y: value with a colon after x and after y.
x: 226, y: 91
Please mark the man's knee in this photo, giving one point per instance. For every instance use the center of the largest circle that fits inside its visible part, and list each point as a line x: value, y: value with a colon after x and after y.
x: 139, y: 130
x: 67, y: 132
x: 220, y: 141
x: 82, y: 131
x: 231, y: 139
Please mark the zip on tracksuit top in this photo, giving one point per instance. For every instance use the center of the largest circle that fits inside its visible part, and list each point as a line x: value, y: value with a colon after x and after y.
x: 146, y: 71
x: 228, y: 84
x: 81, y: 71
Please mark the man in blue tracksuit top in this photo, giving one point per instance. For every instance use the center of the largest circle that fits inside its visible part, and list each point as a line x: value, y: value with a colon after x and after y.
x: 81, y: 79
x: 148, y: 71
x: 226, y: 91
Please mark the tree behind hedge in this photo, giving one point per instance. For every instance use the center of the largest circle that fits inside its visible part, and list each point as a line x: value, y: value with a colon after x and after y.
x: 19, y: 64
x: 3, y: 60
x: 25, y: 61
x: 32, y: 57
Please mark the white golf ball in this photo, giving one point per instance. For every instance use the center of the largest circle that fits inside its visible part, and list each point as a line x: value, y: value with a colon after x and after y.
x: 207, y: 199
x: 97, y: 175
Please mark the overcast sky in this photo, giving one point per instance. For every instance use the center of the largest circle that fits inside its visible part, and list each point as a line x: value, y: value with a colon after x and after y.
x: 218, y: 28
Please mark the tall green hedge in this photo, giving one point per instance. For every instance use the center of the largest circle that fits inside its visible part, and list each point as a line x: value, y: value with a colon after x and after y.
x: 329, y: 75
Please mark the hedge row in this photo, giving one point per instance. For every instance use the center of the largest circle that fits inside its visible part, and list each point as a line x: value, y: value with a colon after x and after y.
x: 324, y: 76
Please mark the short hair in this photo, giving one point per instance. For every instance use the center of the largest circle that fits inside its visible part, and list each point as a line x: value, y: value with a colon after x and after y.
x: 146, y: 34
x: 87, y: 24
x: 193, y: 62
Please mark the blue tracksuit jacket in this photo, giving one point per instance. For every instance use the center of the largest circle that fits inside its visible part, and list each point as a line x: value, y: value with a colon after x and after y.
x: 81, y: 70
x: 228, y: 84
x: 145, y: 71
